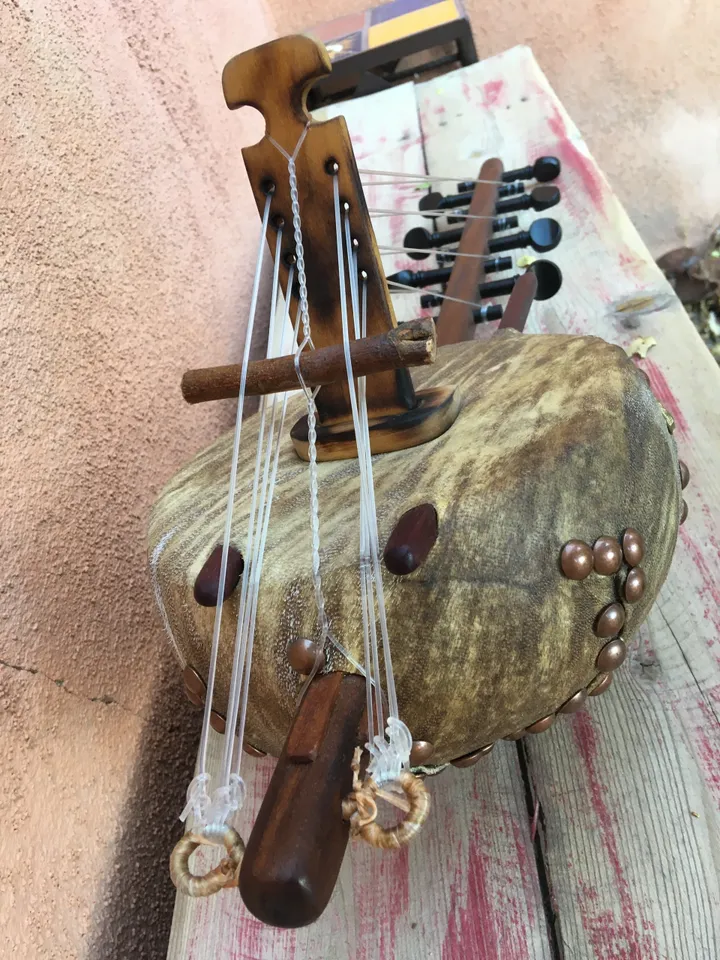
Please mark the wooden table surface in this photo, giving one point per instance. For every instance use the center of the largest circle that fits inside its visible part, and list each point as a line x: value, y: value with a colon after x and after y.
x: 599, y: 839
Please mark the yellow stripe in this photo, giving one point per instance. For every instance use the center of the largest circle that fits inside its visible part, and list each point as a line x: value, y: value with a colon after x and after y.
x: 410, y: 23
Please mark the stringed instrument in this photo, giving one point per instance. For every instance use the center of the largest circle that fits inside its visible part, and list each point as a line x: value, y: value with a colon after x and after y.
x: 380, y: 573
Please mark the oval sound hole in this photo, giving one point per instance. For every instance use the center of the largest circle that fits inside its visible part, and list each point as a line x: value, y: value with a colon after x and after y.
x: 412, y: 539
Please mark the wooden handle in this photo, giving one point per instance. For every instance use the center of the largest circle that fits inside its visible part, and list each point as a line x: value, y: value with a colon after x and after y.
x: 518, y: 306
x: 410, y: 345
x: 297, y: 845
x: 455, y: 322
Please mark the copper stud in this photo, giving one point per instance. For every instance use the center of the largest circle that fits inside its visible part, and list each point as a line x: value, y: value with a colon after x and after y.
x: 576, y: 702
x: 683, y: 512
x: 217, y: 721
x: 540, y: 726
x: 194, y: 699
x: 607, y: 556
x: 611, y: 656
x: 194, y: 686
x: 605, y: 679
x: 422, y: 751
x: 576, y: 560
x: 633, y: 547
x: 684, y: 474
x: 302, y: 655
x: 472, y: 758
x: 253, y: 751
x: 611, y: 620
x: 634, y: 585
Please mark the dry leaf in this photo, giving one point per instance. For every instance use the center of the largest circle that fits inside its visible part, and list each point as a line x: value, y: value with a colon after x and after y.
x: 640, y: 346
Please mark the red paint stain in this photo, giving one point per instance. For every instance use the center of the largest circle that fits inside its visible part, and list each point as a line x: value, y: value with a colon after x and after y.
x: 481, y: 925
x: 571, y: 158
x: 661, y: 389
x: 471, y: 928
x: 610, y: 937
x: 699, y: 555
x: 492, y: 92
x: 381, y: 889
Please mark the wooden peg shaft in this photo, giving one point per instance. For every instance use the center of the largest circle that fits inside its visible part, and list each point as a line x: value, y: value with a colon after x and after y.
x: 297, y: 844
x: 409, y: 345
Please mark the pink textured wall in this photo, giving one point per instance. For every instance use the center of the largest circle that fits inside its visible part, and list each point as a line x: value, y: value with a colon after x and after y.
x: 126, y: 234
x: 126, y: 230
x: 640, y: 79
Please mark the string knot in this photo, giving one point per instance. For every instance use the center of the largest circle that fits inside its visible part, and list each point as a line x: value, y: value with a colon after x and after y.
x: 389, y: 757
x: 198, y: 799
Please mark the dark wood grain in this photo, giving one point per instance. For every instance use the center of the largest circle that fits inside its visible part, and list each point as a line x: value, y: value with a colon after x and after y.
x: 409, y: 345
x: 456, y: 322
x: 298, y: 842
x: 205, y: 589
x: 412, y: 539
x: 518, y: 306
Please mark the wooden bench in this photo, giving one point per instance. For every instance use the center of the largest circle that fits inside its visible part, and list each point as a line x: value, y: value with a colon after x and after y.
x: 599, y: 839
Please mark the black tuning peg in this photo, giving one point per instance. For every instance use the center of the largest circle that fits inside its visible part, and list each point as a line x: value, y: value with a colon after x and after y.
x: 506, y: 190
x: 547, y: 273
x: 421, y: 239
x: 544, y: 169
x: 540, y: 198
x: 544, y: 234
x: 436, y: 201
x: 426, y: 278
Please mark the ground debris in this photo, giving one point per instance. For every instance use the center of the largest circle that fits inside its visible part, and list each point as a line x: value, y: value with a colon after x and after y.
x: 695, y: 275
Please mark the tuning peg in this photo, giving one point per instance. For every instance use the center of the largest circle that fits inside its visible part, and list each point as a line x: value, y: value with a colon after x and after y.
x: 547, y: 273
x: 506, y: 190
x: 421, y: 239
x: 426, y: 278
x: 484, y: 314
x: 436, y: 201
x: 540, y: 198
x: 544, y: 234
x: 544, y: 169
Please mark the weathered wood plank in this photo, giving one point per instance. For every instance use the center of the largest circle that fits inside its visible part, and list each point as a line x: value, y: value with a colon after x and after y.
x: 630, y: 790
x: 468, y: 889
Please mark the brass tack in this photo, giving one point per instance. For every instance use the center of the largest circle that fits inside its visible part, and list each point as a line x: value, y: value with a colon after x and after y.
x: 607, y: 556
x: 605, y: 679
x: 540, y: 726
x: 610, y: 621
x: 634, y: 585
x: 575, y: 702
x: 194, y: 686
x: 194, y: 699
x: 217, y: 721
x: 633, y: 547
x: 472, y: 758
x: 576, y: 560
x: 422, y: 751
x: 253, y: 751
x: 684, y: 474
x: 302, y: 654
x: 683, y: 512
x: 611, y: 656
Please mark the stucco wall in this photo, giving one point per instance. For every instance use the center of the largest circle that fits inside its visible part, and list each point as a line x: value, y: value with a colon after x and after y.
x: 126, y: 234
x: 126, y: 231
x: 640, y: 79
